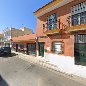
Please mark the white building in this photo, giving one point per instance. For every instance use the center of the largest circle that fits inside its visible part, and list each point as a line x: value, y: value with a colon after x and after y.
x: 7, y: 37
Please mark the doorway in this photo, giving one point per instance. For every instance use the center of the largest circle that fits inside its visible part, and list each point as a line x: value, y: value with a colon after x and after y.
x: 31, y: 49
x: 16, y: 47
x: 41, y: 48
x: 80, y: 49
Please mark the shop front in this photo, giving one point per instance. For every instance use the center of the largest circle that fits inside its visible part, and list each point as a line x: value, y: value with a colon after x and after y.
x: 41, y: 48
x: 25, y: 44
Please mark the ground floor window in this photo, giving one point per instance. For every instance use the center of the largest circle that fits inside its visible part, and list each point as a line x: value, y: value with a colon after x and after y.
x: 58, y: 47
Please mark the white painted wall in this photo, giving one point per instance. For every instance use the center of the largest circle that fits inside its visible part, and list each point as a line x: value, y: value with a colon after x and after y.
x: 63, y: 62
x: 66, y: 64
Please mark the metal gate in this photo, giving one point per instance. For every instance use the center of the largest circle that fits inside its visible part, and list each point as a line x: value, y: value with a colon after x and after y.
x: 80, y: 49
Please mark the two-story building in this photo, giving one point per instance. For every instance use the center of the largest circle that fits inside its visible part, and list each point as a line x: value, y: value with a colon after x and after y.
x: 61, y: 30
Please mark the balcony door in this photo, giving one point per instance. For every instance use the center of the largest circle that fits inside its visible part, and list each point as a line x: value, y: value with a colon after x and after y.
x: 52, y: 22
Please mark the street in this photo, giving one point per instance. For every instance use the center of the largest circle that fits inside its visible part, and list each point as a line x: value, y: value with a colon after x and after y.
x: 17, y: 72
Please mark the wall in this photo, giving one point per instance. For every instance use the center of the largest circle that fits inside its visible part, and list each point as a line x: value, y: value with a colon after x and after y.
x: 62, y: 12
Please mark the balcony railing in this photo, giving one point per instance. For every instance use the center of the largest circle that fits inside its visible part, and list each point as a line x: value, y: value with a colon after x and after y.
x: 61, y: 27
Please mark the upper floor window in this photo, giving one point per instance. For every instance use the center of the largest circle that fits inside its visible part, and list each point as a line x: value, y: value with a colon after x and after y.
x: 52, y: 22
x: 83, y: 18
x: 76, y: 19
x: 79, y: 14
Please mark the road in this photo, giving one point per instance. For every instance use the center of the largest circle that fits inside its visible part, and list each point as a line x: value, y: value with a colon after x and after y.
x: 17, y: 72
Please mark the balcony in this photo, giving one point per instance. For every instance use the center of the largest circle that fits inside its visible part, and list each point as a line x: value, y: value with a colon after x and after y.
x: 64, y: 29
x: 78, y: 28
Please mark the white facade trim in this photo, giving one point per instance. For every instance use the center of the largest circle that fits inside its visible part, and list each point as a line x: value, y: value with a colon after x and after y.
x: 79, y: 29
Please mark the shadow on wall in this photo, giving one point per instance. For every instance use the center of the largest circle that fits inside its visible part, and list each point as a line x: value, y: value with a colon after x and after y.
x: 3, y: 82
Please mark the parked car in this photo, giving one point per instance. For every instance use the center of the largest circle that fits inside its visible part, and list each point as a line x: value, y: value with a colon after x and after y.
x: 5, y: 51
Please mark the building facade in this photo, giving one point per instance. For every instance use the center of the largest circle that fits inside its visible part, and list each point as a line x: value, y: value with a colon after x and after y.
x: 25, y: 44
x: 20, y: 32
x: 9, y: 33
x: 61, y: 30
x: 1, y: 40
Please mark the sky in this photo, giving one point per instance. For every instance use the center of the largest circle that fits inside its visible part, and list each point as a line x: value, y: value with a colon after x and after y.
x: 19, y: 13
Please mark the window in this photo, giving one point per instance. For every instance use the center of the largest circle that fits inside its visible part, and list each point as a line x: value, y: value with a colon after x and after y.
x: 80, y: 38
x: 21, y: 46
x: 79, y: 14
x: 76, y: 19
x: 52, y: 22
x: 58, y: 47
x: 32, y: 49
x: 83, y: 18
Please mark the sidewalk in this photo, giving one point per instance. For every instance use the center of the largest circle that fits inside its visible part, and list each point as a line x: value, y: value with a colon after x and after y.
x: 75, y: 72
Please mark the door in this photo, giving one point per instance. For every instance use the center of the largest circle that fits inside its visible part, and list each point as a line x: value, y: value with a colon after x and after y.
x: 41, y: 49
x: 31, y: 49
x: 16, y: 47
x: 27, y: 49
x: 80, y: 49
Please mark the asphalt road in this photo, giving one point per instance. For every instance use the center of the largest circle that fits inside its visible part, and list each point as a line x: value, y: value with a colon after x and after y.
x: 17, y: 72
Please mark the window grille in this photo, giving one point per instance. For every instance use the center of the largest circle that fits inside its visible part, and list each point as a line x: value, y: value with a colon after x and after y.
x: 52, y: 22
x: 80, y: 38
